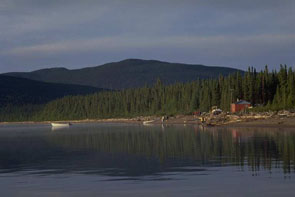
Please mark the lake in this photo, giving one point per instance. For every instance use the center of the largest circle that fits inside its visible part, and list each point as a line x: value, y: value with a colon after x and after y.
x: 136, y: 160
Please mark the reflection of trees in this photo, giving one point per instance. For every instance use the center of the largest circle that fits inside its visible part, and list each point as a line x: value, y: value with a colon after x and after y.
x: 219, y: 146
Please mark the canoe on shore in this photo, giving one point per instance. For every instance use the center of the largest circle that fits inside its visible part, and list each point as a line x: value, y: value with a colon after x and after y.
x: 148, y: 122
x: 60, y: 124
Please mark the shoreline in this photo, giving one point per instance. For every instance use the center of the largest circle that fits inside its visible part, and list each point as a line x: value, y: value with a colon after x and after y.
x: 285, y: 121
x: 113, y: 120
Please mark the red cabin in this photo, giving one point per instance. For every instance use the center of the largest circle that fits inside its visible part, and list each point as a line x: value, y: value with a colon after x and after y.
x: 197, y: 113
x: 240, y: 106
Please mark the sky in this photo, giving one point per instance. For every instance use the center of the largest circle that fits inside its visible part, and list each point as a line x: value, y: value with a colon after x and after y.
x: 38, y: 34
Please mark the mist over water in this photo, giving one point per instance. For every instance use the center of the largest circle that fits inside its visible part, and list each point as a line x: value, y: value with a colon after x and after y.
x: 132, y: 160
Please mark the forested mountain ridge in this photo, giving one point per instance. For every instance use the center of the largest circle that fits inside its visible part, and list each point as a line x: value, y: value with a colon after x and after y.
x: 130, y: 73
x: 268, y: 90
x: 20, y: 91
x: 272, y: 90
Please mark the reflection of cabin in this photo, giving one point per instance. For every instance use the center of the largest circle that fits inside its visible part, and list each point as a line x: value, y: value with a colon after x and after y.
x: 240, y: 105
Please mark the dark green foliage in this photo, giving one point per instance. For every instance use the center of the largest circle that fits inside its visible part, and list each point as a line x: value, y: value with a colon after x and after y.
x: 27, y: 112
x: 129, y: 73
x: 272, y: 91
x: 21, y: 99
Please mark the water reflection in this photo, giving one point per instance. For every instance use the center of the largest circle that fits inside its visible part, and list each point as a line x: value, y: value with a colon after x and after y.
x: 133, y: 151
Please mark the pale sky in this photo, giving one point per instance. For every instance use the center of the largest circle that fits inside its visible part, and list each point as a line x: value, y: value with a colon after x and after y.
x: 38, y: 34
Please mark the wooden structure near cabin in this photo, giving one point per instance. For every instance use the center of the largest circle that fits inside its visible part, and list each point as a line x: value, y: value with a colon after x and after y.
x: 240, y: 106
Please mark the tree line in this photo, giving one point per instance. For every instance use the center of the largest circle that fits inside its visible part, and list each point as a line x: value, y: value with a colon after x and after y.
x: 270, y: 90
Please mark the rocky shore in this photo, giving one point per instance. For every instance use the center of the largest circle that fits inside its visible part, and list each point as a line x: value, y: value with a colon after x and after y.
x: 283, y: 118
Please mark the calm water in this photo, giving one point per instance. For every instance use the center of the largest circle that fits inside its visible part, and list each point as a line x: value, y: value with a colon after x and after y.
x: 134, y: 160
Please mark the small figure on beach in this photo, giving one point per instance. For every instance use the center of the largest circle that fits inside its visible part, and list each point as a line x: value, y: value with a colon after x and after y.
x: 164, y: 118
x: 203, y: 119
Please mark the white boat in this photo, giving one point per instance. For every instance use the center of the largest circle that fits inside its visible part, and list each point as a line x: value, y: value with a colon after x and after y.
x: 148, y: 122
x: 60, y: 124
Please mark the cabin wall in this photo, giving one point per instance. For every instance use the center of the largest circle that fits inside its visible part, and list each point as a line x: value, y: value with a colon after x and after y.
x: 239, y: 107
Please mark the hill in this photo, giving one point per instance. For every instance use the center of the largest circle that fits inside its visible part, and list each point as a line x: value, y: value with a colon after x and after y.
x: 19, y: 91
x: 129, y: 73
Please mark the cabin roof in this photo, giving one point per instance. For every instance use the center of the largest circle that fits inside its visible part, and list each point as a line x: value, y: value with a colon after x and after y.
x: 242, y: 102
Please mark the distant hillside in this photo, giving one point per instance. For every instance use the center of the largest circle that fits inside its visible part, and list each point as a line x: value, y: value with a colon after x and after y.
x: 18, y: 91
x: 126, y: 74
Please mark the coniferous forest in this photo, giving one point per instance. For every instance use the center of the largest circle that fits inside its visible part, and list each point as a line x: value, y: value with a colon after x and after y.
x: 266, y: 90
